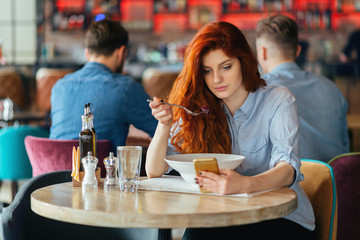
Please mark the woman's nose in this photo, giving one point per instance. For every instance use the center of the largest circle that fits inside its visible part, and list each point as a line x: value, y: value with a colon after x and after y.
x: 217, y: 77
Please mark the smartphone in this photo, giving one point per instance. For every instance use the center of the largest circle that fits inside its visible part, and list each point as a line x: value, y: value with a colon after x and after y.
x: 205, y: 164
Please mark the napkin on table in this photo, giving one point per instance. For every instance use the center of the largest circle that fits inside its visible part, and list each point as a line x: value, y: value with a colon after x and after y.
x: 177, y: 184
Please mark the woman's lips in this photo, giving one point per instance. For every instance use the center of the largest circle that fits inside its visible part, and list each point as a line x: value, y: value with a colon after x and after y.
x: 220, y: 89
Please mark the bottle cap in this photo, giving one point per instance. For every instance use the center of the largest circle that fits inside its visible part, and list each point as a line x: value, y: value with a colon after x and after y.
x: 85, y: 109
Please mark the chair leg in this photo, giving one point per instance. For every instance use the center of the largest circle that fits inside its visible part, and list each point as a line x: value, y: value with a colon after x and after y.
x: 164, y: 234
x: 14, y: 189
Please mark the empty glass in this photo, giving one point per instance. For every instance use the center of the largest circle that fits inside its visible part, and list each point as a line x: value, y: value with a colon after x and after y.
x: 129, y: 167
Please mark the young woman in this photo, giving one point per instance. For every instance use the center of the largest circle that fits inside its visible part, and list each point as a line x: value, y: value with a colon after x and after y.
x: 246, y: 117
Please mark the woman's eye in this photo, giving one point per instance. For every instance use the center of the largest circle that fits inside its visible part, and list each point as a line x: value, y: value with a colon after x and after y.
x: 227, y: 67
x: 205, y: 71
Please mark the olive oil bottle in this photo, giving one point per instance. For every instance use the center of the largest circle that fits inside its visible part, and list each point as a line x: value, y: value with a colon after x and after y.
x: 87, y: 136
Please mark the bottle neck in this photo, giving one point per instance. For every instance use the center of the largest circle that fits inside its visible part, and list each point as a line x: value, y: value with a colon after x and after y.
x: 87, y: 122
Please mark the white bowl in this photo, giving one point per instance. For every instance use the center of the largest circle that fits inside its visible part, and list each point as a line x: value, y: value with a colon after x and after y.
x: 183, y: 163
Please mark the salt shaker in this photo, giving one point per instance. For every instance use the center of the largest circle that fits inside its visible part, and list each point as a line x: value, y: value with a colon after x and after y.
x: 89, y: 163
x: 111, y: 164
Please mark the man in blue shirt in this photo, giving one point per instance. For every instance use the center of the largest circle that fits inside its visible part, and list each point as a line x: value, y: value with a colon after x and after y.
x: 322, y: 107
x: 117, y: 100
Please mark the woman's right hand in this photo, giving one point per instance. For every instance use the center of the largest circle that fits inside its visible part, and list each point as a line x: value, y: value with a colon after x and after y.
x: 162, y: 112
x: 155, y: 164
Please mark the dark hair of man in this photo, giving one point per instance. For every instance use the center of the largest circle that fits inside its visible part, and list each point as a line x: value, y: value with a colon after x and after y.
x: 282, y: 31
x: 105, y: 36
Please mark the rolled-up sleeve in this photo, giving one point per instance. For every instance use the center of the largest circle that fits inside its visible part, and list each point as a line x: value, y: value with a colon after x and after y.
x: 284, y: 135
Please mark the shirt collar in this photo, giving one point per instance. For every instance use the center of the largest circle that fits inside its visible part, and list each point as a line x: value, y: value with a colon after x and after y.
x: 97, y: 65
x: 248, y: 105
x: 246, y: 109
x: 288, y: 66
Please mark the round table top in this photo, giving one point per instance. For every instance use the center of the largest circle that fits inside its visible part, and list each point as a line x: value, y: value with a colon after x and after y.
x: 158, y: 209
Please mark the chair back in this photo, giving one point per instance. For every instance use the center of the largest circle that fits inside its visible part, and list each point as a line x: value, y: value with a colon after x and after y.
x: 158, y: 83
x: 12, y: 86
x: 19, y: 222
x: 45, y: 80
x: 319, y: 185
x: 49, y: 155
x: 14, y: 161
x: 347, y: 177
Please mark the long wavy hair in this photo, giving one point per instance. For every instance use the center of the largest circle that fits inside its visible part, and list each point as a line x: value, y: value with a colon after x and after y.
x: 208, y: 133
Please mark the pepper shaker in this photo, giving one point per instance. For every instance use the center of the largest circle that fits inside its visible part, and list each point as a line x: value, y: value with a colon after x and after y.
x: 111, y: 164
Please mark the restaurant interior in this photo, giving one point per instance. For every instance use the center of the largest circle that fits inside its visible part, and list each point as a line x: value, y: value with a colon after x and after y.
x: 43, y: 40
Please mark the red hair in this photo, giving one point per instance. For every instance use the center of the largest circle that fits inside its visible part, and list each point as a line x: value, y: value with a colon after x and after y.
x: 209, y: 133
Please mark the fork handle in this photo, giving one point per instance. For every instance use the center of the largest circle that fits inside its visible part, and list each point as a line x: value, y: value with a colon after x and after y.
x: 171, y: 104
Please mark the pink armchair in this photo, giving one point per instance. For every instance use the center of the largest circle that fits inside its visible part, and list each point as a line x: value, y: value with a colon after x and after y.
x: 49, y: 155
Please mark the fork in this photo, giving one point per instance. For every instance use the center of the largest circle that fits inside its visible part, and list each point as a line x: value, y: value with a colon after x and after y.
x: 186, y: 110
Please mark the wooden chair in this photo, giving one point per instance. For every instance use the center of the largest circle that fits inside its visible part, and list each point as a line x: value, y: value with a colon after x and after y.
x: 12, y: 86
x: 319, y: 185
x: 45, y: 80
x: 158, y: 83
x: 347, y: 177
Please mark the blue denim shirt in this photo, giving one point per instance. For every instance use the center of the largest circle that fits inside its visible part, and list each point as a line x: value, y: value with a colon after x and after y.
x: 117, y: 102
x: 265, y: 129
x: 322, y: 111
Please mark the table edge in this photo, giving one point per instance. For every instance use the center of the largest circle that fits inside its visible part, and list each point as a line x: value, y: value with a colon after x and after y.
x: 146, y: 220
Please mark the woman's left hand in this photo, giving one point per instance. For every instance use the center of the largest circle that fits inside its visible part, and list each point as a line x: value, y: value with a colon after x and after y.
x: 228, y: 182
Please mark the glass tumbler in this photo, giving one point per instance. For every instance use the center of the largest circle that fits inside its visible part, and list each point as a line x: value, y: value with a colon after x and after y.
x: 129, y: 167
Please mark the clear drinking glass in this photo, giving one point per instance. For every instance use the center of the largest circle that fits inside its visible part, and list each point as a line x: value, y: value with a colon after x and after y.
x: 129, y: 158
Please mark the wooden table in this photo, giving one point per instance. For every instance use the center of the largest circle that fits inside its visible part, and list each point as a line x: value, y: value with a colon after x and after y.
x: 156, y: 209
